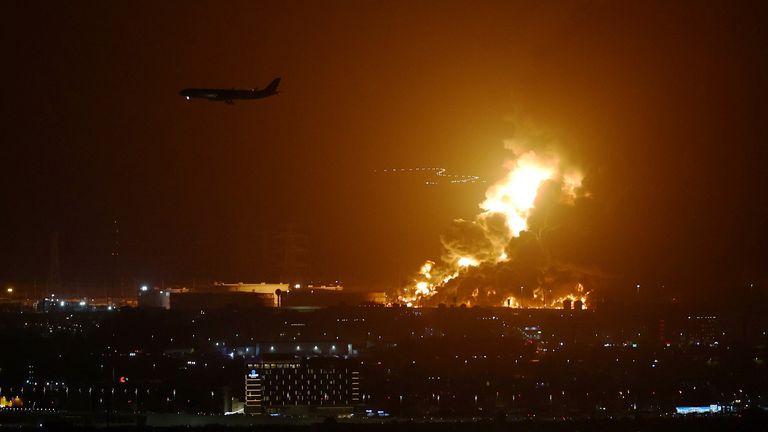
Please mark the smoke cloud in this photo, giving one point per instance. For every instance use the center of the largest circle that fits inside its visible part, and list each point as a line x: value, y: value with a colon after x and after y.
x: 523, y: 249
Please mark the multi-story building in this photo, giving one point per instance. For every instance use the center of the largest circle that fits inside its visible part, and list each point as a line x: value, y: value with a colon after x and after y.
x: 701, y: 330
x: 295, y: 384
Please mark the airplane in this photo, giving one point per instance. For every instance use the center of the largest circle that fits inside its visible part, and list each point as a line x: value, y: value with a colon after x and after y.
x: 228, y: 96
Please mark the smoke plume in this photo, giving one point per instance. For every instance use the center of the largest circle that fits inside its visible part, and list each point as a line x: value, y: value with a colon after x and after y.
x: 521, y: 250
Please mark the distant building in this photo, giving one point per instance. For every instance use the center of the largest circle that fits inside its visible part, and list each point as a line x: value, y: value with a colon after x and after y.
x: 295, y: 385
x: 705, y: 409
x: 293, y: 348
x: 252, y: 288
x: 248, y: 295
x: 701, y: 330
x: 663, y: 332
x: 333, y: 295
x: 72, y: 305
x: 222, y: 295
x: 154, y: 298
x: 531, y: 332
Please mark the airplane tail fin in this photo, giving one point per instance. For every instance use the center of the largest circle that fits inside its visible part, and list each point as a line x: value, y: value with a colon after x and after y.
x: 272, y: 87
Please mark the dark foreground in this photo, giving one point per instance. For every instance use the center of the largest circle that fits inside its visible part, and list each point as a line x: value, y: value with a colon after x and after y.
x: 756, y: 421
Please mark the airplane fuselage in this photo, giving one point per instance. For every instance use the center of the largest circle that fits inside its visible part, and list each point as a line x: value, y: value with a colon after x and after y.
x: 230, y: 95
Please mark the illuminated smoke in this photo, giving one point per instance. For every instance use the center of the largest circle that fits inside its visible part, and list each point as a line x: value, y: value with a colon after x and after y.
x: 504, y: 256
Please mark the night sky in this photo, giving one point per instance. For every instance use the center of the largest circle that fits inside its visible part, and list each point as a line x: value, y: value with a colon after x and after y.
x: 662, y: 105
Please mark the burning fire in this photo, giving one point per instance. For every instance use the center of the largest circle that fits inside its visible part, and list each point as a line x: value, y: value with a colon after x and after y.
x: 467, y: 262
x: 513, y: 199
x: 515, y: 195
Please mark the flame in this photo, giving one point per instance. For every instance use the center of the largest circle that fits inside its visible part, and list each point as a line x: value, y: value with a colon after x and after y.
x: 467, y: 262
x: 422, y: 288
x: 513, y: 197
x: 580, y: 294
x: 512, y: 302
x: 426, y: 269
x: 558, y: 303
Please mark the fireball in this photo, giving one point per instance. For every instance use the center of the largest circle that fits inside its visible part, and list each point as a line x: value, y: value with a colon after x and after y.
x: 515, y: 195
x: 514, y: 198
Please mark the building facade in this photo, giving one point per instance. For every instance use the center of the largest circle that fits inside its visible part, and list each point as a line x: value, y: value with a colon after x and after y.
x: 300, y: 385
